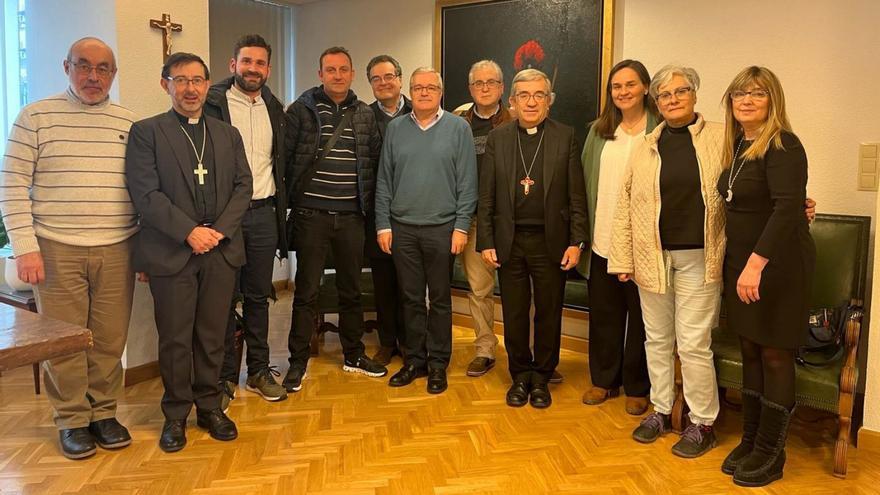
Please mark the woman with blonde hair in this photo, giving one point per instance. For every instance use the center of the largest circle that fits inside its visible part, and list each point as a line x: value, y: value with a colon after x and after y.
x: 768, y: 265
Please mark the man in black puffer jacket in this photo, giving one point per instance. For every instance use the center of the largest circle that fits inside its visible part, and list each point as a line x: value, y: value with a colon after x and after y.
x: 245, y: 102
x: 331, y: 190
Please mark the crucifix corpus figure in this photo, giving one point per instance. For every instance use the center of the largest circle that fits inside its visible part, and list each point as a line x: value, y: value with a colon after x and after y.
x: 168, y: 27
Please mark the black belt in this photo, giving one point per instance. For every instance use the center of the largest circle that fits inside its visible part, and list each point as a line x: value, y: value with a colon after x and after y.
x: 259, y: 203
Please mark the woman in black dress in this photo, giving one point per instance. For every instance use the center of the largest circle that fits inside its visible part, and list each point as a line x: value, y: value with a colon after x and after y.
x: 768, y: 266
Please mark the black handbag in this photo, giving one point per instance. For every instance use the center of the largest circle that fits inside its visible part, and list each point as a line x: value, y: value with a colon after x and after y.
x: 826, y: 335
x: 309, y: 174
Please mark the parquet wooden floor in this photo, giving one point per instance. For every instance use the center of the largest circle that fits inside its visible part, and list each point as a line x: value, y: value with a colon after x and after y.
x: 348, y: 434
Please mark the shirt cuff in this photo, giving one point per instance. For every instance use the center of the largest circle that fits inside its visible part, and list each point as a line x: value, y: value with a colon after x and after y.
x: 383, y: 231
x: 465, y: 232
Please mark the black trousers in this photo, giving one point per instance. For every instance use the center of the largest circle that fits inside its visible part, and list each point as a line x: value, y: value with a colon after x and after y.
x: 530, y: 265
x: 423, y: 257
x: 254, y: 283
x: 389, y: 302
x: 191, y: 332
x: 316, y: 233
x: 617, y: 332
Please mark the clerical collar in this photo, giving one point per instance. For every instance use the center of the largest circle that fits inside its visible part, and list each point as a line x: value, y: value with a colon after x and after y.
x: 186, y: 120
x: 531, y: 131
x: 487, y: 117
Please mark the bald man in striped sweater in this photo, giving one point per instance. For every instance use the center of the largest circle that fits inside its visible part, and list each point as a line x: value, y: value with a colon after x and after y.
x: 70, y: 220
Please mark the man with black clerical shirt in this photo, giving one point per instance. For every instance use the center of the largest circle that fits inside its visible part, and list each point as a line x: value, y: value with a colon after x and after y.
x: 532, y: 226
x: 189, y: 180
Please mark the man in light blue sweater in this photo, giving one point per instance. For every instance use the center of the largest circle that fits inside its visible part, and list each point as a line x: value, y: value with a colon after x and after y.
x: 426, y: 194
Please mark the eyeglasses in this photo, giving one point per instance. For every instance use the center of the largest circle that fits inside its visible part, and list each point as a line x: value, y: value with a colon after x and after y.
x: 756, y: 94
x: 491, y: 84
x: 84, y: 69
x: 524, y: 97
x: 182, y: 82
x: 386, y: 78
x: 680, y: 94
x: 429, y: 88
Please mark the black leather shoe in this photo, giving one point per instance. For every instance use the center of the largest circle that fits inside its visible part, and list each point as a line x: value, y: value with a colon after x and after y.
x: 77, y: 443
x: 406, y: 375
x: 110, y: 434
x: 539, y: 396
x: 437, y: 381
x: 173, y: 435
x: 518, y: 395
x: 218, y: 424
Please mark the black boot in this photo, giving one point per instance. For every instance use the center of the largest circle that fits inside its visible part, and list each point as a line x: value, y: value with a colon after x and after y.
x: 764, y: 465
x: 751, y: 409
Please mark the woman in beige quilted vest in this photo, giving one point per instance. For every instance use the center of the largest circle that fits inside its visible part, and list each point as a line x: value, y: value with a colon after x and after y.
x: 669, y: 237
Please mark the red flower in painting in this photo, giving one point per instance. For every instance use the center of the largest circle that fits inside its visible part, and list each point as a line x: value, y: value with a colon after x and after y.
x: 529, y: 55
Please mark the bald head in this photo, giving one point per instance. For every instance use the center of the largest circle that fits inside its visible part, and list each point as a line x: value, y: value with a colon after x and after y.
x: 91, y: 66
x: 91, y: 41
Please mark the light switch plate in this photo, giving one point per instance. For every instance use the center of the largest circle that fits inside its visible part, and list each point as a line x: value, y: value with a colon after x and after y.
x: 869, y: 166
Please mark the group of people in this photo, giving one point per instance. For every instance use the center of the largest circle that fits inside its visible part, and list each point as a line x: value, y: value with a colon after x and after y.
x: 195, y: 201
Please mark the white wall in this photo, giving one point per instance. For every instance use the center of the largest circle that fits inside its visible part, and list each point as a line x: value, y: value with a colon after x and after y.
x: 400, y: 28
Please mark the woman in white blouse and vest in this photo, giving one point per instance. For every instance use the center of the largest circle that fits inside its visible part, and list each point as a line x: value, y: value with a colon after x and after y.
x: 617, y: 333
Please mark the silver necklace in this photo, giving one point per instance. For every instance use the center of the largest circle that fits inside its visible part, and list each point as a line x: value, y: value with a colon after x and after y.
x: 732, y: 177
x: 527, y: 182
x: 200, y: 171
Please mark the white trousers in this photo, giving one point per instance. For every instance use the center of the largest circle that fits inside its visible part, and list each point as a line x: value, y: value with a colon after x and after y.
x: 685, y: 315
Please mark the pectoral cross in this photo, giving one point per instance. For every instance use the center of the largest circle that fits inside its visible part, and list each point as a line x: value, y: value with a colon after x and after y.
x: 201, y: 172
x: 527, y: 184
x: 167, y: 26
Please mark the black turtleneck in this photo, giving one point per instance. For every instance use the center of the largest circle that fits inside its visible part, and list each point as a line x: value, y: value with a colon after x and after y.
x: 529, y: 208
x: 682, y: 210
x: 205, y: 194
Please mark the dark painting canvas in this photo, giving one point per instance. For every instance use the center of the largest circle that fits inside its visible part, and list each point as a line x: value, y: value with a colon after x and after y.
x: 562, y: 38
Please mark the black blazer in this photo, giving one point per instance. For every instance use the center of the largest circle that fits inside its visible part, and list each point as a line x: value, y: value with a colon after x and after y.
x: 565, y: 205
x: 160, y: 181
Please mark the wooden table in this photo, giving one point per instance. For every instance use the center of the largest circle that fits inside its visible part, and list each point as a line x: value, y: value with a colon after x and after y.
x: 23, y: 299
x: 27, y: 338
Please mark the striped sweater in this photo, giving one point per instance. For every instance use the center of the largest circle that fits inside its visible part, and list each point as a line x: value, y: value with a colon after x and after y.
x: 63, y: 175
x: 334, y: 186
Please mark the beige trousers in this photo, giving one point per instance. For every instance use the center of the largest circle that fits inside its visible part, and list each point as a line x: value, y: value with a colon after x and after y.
x: 481, y: 279
x: 91, y: 287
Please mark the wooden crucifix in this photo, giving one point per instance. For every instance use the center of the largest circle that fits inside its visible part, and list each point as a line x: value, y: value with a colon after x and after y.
x: 168, y: 27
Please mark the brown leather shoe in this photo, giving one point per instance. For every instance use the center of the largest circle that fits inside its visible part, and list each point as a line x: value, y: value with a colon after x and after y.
x: 384, y: 354
x: 636, y: 405
x: 480, y: 366
x: 597, y: 395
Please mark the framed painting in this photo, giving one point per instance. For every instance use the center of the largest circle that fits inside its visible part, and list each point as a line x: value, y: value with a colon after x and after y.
x: 569, y: 40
